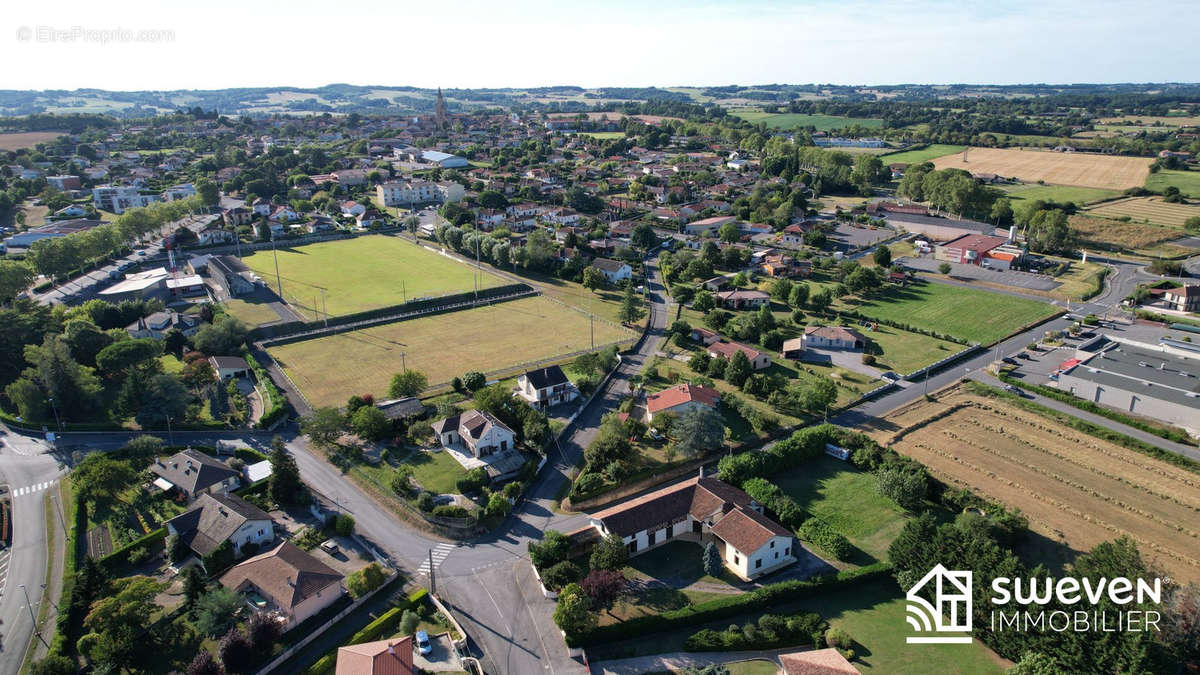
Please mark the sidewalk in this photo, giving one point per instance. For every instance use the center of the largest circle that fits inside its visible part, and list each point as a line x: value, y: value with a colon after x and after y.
x: 676, y: 660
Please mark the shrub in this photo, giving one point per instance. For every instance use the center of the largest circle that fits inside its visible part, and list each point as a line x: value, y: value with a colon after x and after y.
x: 408, y: 622
x: 451, y: 511
x: 837, y: 637
x: 868, y: 359
x: 832, y: 542
x: 551, y: 550
x: 771, y: 631
x: 561, y: 574
x: 365, y: 580
x: 473, y: 481
x: 344, y: 525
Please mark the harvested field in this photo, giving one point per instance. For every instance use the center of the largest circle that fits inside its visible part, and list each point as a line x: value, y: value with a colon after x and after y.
x: 26, y: 139
x: 1151, y: 120
x: 1059, y: 168
x: 1106, y: 233
x: 1075, y: 489
x: 1149, y: 209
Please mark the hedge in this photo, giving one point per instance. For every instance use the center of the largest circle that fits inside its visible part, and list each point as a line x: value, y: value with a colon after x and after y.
x: 830, y: 540
x: 277, y: 405
x: 121, y: 555
x: 771, y: 632
x: 760, y: 599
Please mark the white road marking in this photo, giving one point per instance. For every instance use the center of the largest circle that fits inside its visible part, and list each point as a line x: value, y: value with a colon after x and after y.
x: 31, y: 489
x: 440, y: 553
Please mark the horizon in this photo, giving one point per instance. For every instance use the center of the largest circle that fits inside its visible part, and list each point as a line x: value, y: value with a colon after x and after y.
x: 468, y: 44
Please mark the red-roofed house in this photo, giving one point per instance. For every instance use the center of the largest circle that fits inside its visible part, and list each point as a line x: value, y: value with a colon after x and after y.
x: 1183, y: 298
x: 758, y: 360
x: 815, y: 662
x: 383, y: 657
x: 702, y: 509
x: 679, y: 398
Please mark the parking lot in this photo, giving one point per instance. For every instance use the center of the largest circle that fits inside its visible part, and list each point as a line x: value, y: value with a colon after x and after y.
x: 1014, y: 278
x: 853, y: 235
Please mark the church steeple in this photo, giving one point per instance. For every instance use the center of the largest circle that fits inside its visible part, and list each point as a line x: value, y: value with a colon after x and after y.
x: 440, y: 111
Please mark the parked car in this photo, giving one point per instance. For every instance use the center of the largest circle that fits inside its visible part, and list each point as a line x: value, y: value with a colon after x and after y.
x: 1013, y: 389
x: 329, y: 546
x: 423, y: 645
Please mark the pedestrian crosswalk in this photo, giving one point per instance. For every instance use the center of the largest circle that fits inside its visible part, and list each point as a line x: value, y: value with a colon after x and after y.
x: 440, y: 553
x: 31, y: 489
x: 4, y: 553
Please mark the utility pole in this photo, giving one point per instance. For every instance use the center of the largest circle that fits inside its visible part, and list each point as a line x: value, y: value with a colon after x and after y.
x: 57, y: 421
x: 32, y: 618
x: 323, y: 310
x: 926, y: 392
x: 170, y: 434
x: 62, y: 519
x: 432, y: 582
x: 403, y: 363
x: 278, y: 279
x: 403, y: 292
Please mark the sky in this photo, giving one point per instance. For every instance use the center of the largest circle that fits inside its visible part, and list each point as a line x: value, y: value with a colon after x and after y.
x: 132, y: 45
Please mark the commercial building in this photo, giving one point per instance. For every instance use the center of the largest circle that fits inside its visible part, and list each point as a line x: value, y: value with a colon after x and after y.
x: 406, y: 193
x: 119, y: 198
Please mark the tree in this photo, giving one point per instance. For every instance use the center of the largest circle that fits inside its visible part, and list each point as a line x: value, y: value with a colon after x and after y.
x: 781, y: 290
x: 99, y: 477
x: 177, y: 549
x: 284, y: 486
x: 365, y: 580
x: 821, y: 300
x: 1048, y: 232
x: 225, y: 335
x: 586, y: 364
x: 263, y: 631
x: 498, y: 505
x: 610, y: 553
x: 53, y: 664
x: 711, y: 559
x: 370, y: 423
x: 1181, y: 626
x: 631, y: 309
x: 703, y: 301
x: 408, y: 383
x: 698, y: 430
x: 1036, y: 663
x: 74, y: 388
x: 194, y: 585
x: 551, y: 550
x: 215, y: 610
x: 474, y: 381
x: 204, y: 664
x: 944, y: 268
x: 798, y: 296
x: 15, y: 277
x: 593, y: 279
x: 118, y: 618
x: 738, y: 369
x: 323, y: 426
x: 729, y: 232
x: 343, y: 525
x: 882, y: 256
x: 643, y: 237
x: 904, y: 484
x: 818, y: 395
x: 1192, y: 224
x: 119, y: 358
x: 573, y: 613
x: 603, y: 587
x: 235, y: 651
x: 163, y: 398
x: 207, y: 191
x: 409, y: 621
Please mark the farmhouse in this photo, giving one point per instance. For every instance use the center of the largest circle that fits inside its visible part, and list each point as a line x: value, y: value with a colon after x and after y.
x: 613, y: 270
x: 833, y: 337
x: 828, y: 661
x: 215, y: 519
x: 478, y: 430
x: 194, y: 473
x: 680, y: 398
x: 545, y: 387
x: 702, y: 509
x: 758, y: 360
x: 1143, y: 379
x: 742, y: 299
x: 792, y: 349
x: 288, y: 582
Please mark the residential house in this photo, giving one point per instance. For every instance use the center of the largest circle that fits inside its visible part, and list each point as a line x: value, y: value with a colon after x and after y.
x: 352, y: 208
x: 743, y: 299
x: 479, y: 431
x: 793, y: 235
x: 177, y: 192
x: 118, y: 198
x: 828, y: 661
x: 1183, y: 298
x: 158, y: 324
x: 545, y: 387
x: 382, y: 657
x: 261, y: 206
x: 217, y: 518
x: 287, y: 582
x: 72, y: 211
x: 368, y: 218
x: 834, y: 337
x: 680, y: 398
x: 350, y: 177
x: 758, y: 360
x: 63, y: 183
x: 613, y: 270
x: 212, y: 236
x: 792, y: 349
x: 704, y: 336
x: 402, y: 409
x: 194, y: 473
x: 707, y: 226
x: 227, y: 367
x: 284, y: 214
x: 702, y: 509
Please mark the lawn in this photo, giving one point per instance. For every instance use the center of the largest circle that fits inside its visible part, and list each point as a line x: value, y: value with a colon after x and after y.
x: 251, y: 313
x: 846, y: 498
x: 904, y: 352
x: 364, y: 273
x: 792, y: 120
x: 968, y: 314
x: 676, y: 564
x: 925, y: 154
x: 1060, y: 193
x: 1188, y: 182
x: 604, y: 135
x: 488, y: 339
x: 437, y: 472
x: 753, y: 667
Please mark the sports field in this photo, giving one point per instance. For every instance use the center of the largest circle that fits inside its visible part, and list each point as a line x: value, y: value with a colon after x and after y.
x: 1188, y: 182
x: 965, y: 313
x: 1149, y: 209
x: 1059, y: 168
x: 923, y: 155
x: 1059, y: 193
x: 363, y: 273
x: 792, y: 120
x: 331, y: 369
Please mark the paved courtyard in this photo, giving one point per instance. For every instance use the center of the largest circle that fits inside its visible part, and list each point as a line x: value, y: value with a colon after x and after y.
x: 1016, y: 279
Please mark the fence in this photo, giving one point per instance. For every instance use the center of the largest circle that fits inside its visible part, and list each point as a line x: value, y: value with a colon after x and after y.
x: 949, y: 359
x: 522, y: 367
x: 307, y: 639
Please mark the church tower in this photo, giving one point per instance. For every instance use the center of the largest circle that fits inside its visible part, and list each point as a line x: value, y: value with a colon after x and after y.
x: 440, y: 111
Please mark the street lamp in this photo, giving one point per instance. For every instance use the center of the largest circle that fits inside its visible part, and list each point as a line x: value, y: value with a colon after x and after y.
x: 170, y: 434
x: 57, y: 421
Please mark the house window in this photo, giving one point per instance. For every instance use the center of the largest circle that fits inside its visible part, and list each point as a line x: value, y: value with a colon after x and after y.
x: 503, y: 446
x: 650, y: 536
x: 772, y: 544
x: 787, y: 550
x: 758, y: 563
x: 736, y: 559
x: 633, y: 546
x: 670, y: 531
x: 777, y: 555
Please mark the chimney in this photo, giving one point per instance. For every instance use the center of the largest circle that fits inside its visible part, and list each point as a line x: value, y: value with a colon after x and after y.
x: 702, y: 471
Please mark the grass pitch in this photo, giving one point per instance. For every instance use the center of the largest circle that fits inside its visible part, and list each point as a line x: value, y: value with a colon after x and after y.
x: 923, y: 155
x: 331, y: 369
x: 363, y: 273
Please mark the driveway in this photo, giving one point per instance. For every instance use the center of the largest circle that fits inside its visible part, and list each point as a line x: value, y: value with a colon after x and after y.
x: 843, y: 358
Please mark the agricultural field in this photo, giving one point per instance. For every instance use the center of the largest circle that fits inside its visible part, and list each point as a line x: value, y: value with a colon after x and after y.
x: 968, y: 314
x: 1059, y: 168
x: 1077, y: 490
x: 1059, y: 193
x: 364, y: 273
x: 331, y: 369
x: 923, y: 155
x: 1113, y: 234
x: 603, y: 135
x: 1151, y: 120
x: 26, y: 139
x: 1188, y: 182
x: 792, y: 120
x: 1148, y: 209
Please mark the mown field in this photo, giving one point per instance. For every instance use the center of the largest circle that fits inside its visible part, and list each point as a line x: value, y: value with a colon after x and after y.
x: 1059, y: 193
x: 1151, y: 120
x: 1188, y: 182
x: 1076, y: 490
x: 363, y: 273
x: 1113, y: 234
x: 1059, y: 168
x: 968, y: 314
x: 792, y: 120
x: 923, y: 155
x: 331, y: 369
x: 26, y: 139
x: 1149, y: 209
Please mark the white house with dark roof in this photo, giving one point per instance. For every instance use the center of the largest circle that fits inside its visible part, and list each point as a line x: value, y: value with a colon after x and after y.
x: 613, y: 270
x: 194, y: 473
x: 217, y: 518
x: 229, y: 366
x: 545, y: 387
x: 702, y: 509
x: 477, y: 430
x: 158, y: 324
